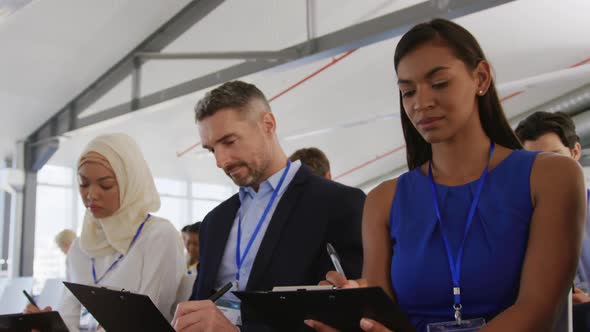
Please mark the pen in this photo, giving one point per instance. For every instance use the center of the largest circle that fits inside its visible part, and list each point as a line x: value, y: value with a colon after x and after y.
x: 335, y: 259
x: 220, y: 292
x: 30, y: 298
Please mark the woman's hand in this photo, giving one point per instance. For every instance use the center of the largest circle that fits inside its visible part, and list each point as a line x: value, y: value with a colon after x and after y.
x: 366, y: 324
x: 31, y: 309
x: 579, y: 296
x: 339, y: 281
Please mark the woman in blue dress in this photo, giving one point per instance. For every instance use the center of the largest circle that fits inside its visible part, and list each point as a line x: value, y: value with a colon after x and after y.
x: 478, y: 229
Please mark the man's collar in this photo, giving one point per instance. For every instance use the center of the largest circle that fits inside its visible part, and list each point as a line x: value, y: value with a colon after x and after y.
x: 268, y: 185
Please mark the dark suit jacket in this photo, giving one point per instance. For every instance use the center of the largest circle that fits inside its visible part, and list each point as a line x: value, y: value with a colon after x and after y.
x: 311, y: 212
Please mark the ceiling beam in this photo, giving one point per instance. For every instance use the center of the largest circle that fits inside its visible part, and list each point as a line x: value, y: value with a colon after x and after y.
x: 358, y: 35
x: 239, y: 55
x: 66, y: 119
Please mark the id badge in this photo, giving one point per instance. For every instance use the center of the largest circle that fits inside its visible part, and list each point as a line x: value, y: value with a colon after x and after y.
x: 87, y: 321
x: 467, y: 325
x: 231, y: 310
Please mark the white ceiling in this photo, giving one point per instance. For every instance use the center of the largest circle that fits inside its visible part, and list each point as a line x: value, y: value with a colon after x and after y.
x: 350, y: 110
x: 52, y: 50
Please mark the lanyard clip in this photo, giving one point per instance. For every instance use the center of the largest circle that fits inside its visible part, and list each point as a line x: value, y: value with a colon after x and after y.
x: 457, y: 308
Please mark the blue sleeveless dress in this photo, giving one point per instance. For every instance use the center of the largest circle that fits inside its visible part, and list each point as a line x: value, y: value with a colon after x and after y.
x: 494, y: 249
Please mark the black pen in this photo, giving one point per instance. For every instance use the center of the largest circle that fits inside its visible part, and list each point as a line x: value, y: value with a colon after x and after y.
x: 30, y: 298
x: 220, y: 292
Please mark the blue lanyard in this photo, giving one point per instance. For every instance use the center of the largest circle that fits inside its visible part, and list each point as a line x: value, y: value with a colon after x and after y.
x: 455, y: 267
x: 240, y: 258
x: 96, y: 281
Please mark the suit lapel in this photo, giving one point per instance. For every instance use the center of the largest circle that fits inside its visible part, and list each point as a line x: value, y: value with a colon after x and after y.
x: 219, y: 229
x: 275, y: 227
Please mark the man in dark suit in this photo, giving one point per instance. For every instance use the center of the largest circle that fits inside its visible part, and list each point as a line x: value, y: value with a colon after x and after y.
x: 275, y: 230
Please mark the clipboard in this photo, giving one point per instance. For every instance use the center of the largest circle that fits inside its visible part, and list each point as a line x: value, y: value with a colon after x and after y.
x: 120, y: 311
x: 49, y: 321
x: 339, y: 308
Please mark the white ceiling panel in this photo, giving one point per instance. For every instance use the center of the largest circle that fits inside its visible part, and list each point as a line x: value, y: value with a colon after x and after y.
x: 351, y: 109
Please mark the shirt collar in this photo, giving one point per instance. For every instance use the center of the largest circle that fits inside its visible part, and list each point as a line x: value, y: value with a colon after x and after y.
x: 268, y: 185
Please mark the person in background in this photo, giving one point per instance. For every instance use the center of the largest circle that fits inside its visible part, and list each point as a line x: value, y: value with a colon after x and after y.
x: 556, y: 132
x: 478, y: 229
x: 190, y: 237
x: 64, y: 240
x: 315, y: 159
x: 122, y: 245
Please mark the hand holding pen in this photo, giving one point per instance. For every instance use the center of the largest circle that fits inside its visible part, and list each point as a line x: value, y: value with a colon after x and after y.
x: 202, y: 315
x: 338, y: 277
x: 32, y: 307
x: 221, y: 292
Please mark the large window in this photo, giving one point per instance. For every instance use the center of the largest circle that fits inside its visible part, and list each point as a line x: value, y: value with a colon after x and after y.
x: 184, y: 203
x: 174, y: 201
x: 4, y: 232
x: 175, y: 209
x: 59, y: 206
x: 205, y: 197
x: 56, y: 210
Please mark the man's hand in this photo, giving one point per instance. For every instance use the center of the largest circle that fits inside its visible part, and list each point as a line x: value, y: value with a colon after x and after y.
x: 366, y: 324
x: 339, y: 281
x: 31, y: 309
x: 200, y: 316
x: 370, y: 325
x: 579, y: 296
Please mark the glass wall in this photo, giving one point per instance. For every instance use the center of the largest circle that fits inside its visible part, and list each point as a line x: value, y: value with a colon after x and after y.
x: 56, y: 210
x: 4, y: 232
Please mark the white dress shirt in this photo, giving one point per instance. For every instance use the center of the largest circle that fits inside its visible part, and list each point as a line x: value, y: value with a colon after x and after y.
x: 154, y: 266
x: 252, y: 208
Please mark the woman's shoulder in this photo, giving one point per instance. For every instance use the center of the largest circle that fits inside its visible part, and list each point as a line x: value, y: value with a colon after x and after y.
x: 554, y: 176
x: 379, y: 202
x: 384, y: 193
x: 512, y: 164
x: 161, y: 232
x: 379, y: 198
x: 551, y: 167
x: 76, y: 259
x: 75, y: 250
x: 384, y: 190
x: 159, y: 227
x: 550, y: 160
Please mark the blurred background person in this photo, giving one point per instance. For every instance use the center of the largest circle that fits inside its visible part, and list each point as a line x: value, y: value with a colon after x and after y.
x: 190, y: 237
x: 64, y: 240
x: 315, y: 159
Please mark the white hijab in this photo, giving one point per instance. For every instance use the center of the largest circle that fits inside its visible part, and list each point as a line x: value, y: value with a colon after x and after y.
x: 137, y: 195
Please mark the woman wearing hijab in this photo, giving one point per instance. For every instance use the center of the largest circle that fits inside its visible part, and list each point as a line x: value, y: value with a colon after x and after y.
x: 122, y: 245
